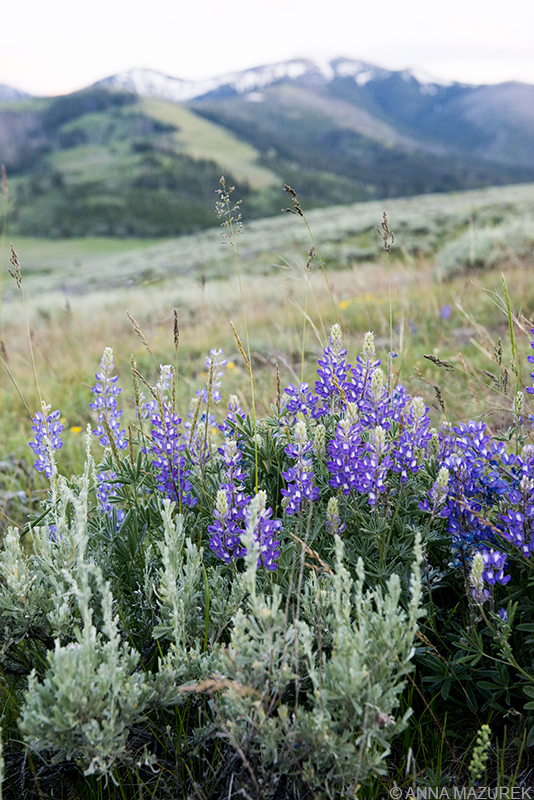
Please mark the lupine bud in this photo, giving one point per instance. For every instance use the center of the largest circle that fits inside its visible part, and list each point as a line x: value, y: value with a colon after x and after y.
x: 433, y: 445
x: 336, y: 339
x: 221, y: 504
x: 476, y: 580
x: 377, y: 382
x: 301, y: 433
x: 351, y: 413
x: 319, y: 440
x: 439, y: 490
x: 379, y: 439
x: 368, y: 349
x: 333, y: 522
x: 518, y: 407
x: 480, y: 753
x: 418, y: 407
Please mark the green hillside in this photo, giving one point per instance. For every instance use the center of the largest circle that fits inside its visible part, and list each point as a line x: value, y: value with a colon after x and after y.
x: 104, y: 162
x: 457, y: 229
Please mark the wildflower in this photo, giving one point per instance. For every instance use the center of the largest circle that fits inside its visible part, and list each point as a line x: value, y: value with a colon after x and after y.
x: 345, y: 450
x: 494, y: 562
x: 229, y: 512
x: 106, y: 392
x: 300, y: 486
x: 438, y: 492
x: 225, y: 530
x: 161, y: 390
x: 264, y: 532
x: 47, y: 430
x: 333, y: 521
x: 215, y: 363
x: 106, y: 490
x: 333, y: 369
x: 300, y: 399
x: 476, y: 579
x: 169, y: 461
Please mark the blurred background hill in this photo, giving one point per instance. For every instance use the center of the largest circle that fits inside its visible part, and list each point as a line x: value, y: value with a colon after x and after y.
x: 139, y: 154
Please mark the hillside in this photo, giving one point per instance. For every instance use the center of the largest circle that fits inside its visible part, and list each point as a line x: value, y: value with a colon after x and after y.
x: 107, y: 162
x: 455, y: 229
x: 141, y: 154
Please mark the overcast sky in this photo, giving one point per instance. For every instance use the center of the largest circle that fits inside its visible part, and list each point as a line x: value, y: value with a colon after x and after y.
x: 57, y: 46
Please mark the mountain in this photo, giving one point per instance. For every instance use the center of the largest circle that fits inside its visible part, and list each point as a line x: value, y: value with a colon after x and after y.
x: 141, y: 153
x: 154, y: 84
x: 494, y: 122
x: 9, y: 93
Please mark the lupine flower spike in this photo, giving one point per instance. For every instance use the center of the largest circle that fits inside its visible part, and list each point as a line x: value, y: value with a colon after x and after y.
x: 47, y: 430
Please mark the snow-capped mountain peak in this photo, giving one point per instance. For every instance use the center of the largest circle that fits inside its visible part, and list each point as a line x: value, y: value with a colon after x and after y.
x: 150, y: 82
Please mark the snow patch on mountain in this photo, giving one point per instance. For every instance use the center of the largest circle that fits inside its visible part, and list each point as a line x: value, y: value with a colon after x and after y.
x: 155, y: 84
x: 253, y: 81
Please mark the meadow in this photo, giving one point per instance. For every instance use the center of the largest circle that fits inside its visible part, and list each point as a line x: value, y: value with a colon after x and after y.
x: 195, y: 606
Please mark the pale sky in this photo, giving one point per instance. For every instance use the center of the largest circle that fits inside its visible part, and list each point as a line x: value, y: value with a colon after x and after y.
x: 57, y: 46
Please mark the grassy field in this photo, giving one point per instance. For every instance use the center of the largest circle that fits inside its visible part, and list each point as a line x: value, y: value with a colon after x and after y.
x: 77, y: 292
x: 433, y: 295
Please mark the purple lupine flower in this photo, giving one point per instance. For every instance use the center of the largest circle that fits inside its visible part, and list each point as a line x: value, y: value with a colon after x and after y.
x: 361, y: 374
x: 106, y: 392
x: 215, y: 362
x: 411, y: 446
x: 105, y: 491
x: 333, y: 372
x: 228, y: 523
x: 299, y: 478
x: 169, y: 461
x: 234, y: 416
x: 47, y: 430
x: 369, y: 471
x: 229, y: 512
x: 494, y: 563
x: 265, y: 529
x: 530, y: 359
x: 264, y: 534
x: 346, y: 449
x: 300, y: 399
